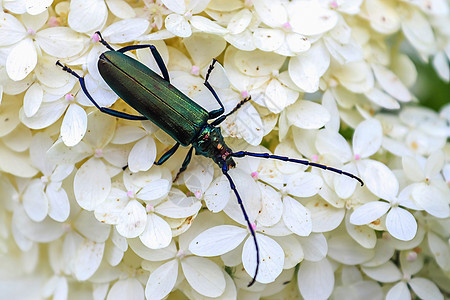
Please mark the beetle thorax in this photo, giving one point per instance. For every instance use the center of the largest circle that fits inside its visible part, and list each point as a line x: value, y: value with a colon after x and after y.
x: 210, y: 143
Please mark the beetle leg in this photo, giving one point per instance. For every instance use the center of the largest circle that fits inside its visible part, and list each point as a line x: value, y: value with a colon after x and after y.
x: 186, y: 162
x: 217, y: 112
x: 298, y: 161
x: 252, y: 231
x: 156, y: 55
x: 105, y: 43
x: 222, y: 118
x: 111, y: 112
x: 167, y: 155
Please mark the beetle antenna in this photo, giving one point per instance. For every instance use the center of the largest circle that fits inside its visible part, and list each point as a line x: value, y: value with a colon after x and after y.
x: 239, y: 105
x: 252, y: 231
x: 103, y: 41
x: 298, y: 161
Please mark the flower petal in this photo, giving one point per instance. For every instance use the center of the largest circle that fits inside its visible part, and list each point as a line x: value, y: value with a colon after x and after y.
x: 401, y: 224
x: 217, y: 240
x: 204, y: 276
x: 162, y: 280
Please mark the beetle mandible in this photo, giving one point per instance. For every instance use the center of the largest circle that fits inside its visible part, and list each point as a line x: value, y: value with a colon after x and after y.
x: 184, y: 120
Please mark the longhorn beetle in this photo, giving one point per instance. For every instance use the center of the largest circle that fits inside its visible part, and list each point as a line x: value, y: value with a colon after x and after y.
x: 184, y: 120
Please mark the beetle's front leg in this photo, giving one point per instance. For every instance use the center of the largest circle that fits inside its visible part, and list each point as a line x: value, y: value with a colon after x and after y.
x: 167, y: 154
x: 186, y: 162
x: 111, y: 112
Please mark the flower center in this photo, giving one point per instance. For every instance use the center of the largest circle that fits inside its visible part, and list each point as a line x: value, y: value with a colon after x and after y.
x: 98, y: 153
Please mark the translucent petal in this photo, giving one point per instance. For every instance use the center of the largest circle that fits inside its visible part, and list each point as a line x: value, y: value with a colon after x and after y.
x: 202, y: 49
x: 74, y: 125
x: 87, y: 16
x: 434, y: 164
x: 382, y: 99
x: 21, y: 60
x: 272, y: 13
x: 178, y: 25
x: 204, y: 276
x: 35, y: 201
x: 87, y: 225
x: 379, y: 179
x: 32, y: 99
x: 363, y: 235
x: 432, y: 199
x: 440, y: 64
x: 425, y: 288
x: 142, y: 155
x: 91, y: 184
x: 311, y: 18
x: 324, y: 216
x: 61, y: 42
x: 391, y: 83
x: 15, y: 163
x: 369, y: 212
x: 271, y: 258
x: 58, y: 202
x: 157, y: 233
x: 100, y: 129
x: 271, y: 206
x: 177, y: 6
x: 315, y: 279
x: 401, y: 224
x: 275, y: 96
x: 199, y: 176
x: 88, y: 259
x: 132, y: 220
x: 35, y: 7
x: 41, y: 232
x: 268, y: 39
x: 314, y: 246
x: 418, y: 31
x: 293, y: 252
x: 367, y: 138
x: 129, y: 288
x: 296, y: 217
x: 257, y: 63
x: 11, y: 30
x: 345, y: 250
x: 217, y: 195
x: 387, y: 272
x: 306, y: 68
x: 40, y: 143
x: 440, y: 251
x: 206, y: 25
x: 239, y: 21
x: 127, y: 134
x: 329, y: 142
x: 179, y: 208
x: 47, y: 114
x: 242, y: 41
x: 383, y: 253
x: 162, y: 280
x: 217, y: 240
x: 152, y: 255
x: 125, y: 31
x: 121, y: 9
x: 383, y: 16
x: 307, y: 115
x: 399, y: 291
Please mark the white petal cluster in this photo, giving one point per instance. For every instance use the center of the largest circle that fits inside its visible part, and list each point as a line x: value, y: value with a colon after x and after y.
x: 86, y: 213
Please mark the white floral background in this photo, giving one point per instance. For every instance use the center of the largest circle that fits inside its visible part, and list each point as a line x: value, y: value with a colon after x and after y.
x: 332, y: 81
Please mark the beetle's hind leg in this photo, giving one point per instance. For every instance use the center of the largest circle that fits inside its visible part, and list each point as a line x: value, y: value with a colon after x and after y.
x: 250, y: 226
x: 111, y: 112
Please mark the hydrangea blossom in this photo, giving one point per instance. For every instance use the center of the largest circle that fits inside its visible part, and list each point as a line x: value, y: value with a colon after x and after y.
x: 85, y: 212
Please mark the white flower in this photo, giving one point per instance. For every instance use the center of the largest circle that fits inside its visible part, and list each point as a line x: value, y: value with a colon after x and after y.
x: 180, y: 21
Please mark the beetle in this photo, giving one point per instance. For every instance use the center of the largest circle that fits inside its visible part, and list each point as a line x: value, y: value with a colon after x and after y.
x: 184, y: 120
